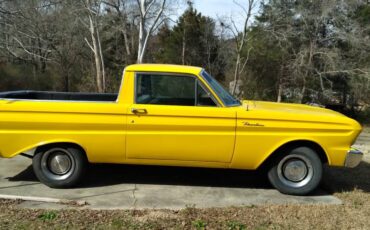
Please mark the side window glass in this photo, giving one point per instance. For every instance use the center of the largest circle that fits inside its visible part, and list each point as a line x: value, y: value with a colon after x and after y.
x: 165, y: 89
x: 204, y: 97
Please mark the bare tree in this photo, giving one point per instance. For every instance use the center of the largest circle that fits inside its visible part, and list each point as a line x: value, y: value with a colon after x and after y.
x: 323, y: 30
x: 25, y: 35
x: 68, y: 45
x: 125, y: 13
x: 151, y: 12
x: 93, y: 9
x: 241, y: 40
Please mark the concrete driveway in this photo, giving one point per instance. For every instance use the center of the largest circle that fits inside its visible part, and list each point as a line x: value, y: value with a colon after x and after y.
x: 139, y: 187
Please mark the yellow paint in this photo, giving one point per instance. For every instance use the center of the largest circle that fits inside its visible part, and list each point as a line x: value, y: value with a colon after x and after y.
x: 236, y: 137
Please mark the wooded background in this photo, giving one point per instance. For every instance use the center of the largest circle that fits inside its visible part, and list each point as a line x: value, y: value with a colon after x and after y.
x: 305, y: 51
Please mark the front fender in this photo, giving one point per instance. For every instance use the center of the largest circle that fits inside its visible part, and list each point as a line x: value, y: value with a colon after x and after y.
x: 251, y: 151
x: 291, y: 142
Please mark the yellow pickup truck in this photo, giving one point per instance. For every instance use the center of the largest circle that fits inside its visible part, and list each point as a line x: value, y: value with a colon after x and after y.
x: 174, y: 116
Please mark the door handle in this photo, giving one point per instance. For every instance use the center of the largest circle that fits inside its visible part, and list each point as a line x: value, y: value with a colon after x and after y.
x: 139, y: 111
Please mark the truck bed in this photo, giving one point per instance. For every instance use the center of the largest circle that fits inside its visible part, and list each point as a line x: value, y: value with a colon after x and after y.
x: 57, y: 96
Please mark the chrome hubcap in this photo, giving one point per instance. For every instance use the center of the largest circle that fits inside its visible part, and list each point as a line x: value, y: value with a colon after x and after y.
x: 57, y: 164
x: 295, y: 170
x: 60, y: 163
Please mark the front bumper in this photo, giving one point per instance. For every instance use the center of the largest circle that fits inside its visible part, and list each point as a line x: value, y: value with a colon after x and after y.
x: 353, y: 158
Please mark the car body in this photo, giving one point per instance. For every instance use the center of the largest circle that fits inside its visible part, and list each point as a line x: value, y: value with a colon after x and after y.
x: 156, y: 120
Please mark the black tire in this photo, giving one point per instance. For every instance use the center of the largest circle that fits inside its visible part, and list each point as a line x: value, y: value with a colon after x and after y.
x: 297, y: 172
x: 59, y: 166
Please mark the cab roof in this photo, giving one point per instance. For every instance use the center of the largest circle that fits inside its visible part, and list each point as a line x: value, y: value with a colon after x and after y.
x: 164, y: 68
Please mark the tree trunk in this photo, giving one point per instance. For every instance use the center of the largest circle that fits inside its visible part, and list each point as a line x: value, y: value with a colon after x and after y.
x: 127, y: 46
x: 101, y: 60
x: 146, y: 29
x: 97, y: 57
x: 183, y: 48
x: 66, y: 81
x: 141, y: 49
x: 240, y: 43
x: 43, y: 65
x: 280, y: 84
x: 210, y: 69
x: 310, y: 56
x: 280, y: 92
x: 236, y: 74
x: 303, y: 91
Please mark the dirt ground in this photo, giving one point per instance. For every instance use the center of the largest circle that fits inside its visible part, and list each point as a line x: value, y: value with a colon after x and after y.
x: 352, y: 186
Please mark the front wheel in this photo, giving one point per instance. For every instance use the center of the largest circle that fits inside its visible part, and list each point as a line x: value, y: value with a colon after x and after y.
x: 59, y: 166
x: 298, y: 172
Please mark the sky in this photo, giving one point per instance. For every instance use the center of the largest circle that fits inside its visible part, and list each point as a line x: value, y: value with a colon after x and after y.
x: 221, y: 9
x: 214, y: 8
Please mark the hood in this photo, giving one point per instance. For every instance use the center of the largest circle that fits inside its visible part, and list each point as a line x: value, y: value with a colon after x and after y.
x: 289, y: 108
x: 293, y: 112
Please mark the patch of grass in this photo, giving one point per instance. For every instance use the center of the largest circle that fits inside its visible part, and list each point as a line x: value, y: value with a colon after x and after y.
x: 189, y: 211
x: 118, y: 224
x: 199, y: 224
x: 47, y: 216
x: 262, y: 227
x: 290, y: 216
x: 234, y: 225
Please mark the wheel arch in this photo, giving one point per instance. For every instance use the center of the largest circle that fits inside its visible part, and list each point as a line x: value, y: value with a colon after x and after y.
x: 295, y: 144
x: 31, y: 150
x: 69, y: 144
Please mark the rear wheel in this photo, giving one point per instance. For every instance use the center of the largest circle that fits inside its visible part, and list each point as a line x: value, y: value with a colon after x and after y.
x: 298, y: 172
x: 59, y: 166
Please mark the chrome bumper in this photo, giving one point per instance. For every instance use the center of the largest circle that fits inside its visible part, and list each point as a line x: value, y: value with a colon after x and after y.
x: 353, y: 158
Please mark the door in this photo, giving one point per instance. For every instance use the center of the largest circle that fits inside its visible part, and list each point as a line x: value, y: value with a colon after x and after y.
x: 175, y: 118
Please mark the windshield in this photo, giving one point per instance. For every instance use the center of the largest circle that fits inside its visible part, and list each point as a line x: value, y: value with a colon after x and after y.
x: 224, y: 95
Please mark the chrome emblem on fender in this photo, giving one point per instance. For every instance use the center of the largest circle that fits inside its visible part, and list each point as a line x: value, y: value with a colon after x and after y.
x: 246, y: 123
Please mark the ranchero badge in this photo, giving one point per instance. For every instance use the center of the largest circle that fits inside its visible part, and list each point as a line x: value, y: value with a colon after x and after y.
x: 246, y: 123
